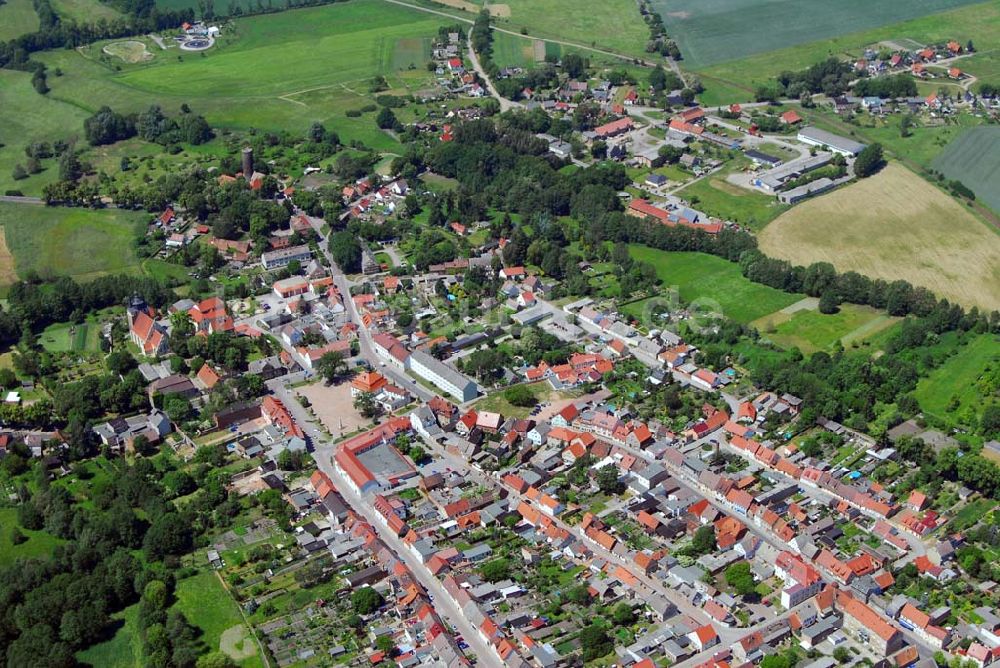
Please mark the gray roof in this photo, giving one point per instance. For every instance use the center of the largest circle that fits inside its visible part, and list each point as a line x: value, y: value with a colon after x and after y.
x: 435, y: 365
x: 829, y: 139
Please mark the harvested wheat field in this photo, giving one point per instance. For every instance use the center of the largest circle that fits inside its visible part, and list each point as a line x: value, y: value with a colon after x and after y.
x: 894, y: 225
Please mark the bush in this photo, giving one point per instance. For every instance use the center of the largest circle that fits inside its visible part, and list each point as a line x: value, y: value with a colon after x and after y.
x: 353, y: 113
x: 869, y: 161
x: 519, y: 395
x: 366, y: 601
x: 391, y: 101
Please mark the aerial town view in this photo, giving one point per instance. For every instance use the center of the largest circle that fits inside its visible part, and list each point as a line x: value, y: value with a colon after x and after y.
x: 528, y: 333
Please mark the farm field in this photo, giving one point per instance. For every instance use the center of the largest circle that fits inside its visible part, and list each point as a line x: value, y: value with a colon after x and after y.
x: 894, y: 225
x: 809, y: 330
x: 26, y: 116
x: 82, y: 243
x: 733, y: 64
x: 707, y: 277
x: 615, y: 25
x: 974, y: 159
x: 717, y: 197
x: 247, y: 80
x: 208, y: 606
x: 955, y: 387
x: 714, y: 31
x: 17, y: 17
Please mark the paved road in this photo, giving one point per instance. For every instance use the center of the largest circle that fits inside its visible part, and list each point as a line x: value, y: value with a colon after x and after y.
x: 505, y: 104
x: 444, y: 605
x: 366, y: 351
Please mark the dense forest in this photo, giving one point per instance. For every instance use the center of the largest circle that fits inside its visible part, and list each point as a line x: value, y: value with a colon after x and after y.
x: 120, y: 550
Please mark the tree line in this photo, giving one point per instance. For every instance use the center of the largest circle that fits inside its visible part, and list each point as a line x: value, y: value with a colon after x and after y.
x: 121, y: 549
x: 107, y: 126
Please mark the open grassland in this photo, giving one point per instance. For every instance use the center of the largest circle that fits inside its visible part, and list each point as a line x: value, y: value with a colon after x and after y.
x: 38, y: 546
x: 717, y: 197
x: 82, y: 243
x: 894, y: 225
x: 84, y: 11
x: 278, y: 71
x: 731, y: 65
x: 17, y: 17
x: 810, y: 331
x: 974, y: 159
x: 960, y: 386
x: 707, y: 277
x: 614, y: 25
x: 26, y: 116
x: 207, y: 605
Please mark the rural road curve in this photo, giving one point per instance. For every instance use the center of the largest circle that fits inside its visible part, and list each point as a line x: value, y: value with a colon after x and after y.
x: 575, y: 45
x: 505, y: 104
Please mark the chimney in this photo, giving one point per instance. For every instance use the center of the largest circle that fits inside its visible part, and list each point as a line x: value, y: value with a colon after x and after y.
x: 247, y: 162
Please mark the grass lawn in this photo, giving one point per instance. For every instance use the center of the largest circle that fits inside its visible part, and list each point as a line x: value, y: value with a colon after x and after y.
x: 207, y: 605
x: 715, y: 43
x: 82, y: 243
x: 717, y: 197
x: 894, y: 225
x: 64, y: 337
x: 707, y: 277
x: 280, y: 71
x: 122, y: 650
x: 498, y: 404
x: 161, y: 269
x: 613, y: 25
x: 38, y: 546
x: 954, y: 388
x: 437, y: 183
x: 974, y: 159
x: 809, y: 330
x: 17, y: 17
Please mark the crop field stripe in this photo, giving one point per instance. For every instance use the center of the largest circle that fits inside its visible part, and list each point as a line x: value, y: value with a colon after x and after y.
x: 974, y: 159
x: 715, y: 31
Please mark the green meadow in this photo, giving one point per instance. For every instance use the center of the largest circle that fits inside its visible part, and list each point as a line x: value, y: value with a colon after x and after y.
x: 707, y: 277
x: 17, y: 17
x: 965, y: 383
x: 26, y: 116
x: 278, y: 71
x: 811, y: 331
x: 82, y: 243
